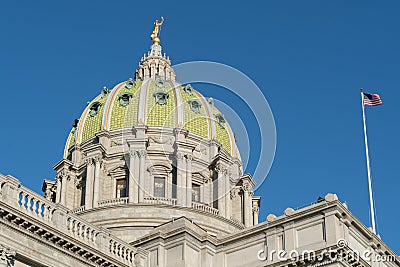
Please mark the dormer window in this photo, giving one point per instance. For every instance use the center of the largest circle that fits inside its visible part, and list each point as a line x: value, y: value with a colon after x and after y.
x: 220, y: 119
x: 94, y: 109
x: 195, y: 105
x: 160, y: 82
x: 104, y: 91
x: 161, y: 97
x: 130, y: 83
x: 125, y: 99
x: 75, y: 125
x: 188, y: 89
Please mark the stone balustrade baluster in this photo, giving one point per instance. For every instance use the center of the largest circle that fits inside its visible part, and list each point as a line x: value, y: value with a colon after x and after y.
x: 29, y: 203
x: 23, y: 200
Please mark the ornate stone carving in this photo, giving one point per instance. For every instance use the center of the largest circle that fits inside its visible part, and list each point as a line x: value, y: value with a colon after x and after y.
x: 201, y: 149
x: 7, y: 256
x: 179, y: 155
x: 188, y: 157
x: 89, y: 161
x: 195, y: 105
x: 98, y: 159
x: 94, y: 109
x: 235, y: 192
x: 49, y: 189
x: 130, y: 83
x: 63, y: 174
x: 104, y: 92
x: 256, y: 209
x: 133, y: 154
x: 219, y: 168
x: 160, y: 140
x: 116, y: 143
x: 75, y: 126
x: 142, y: 153
x: 220, y: 119
x: 160, y: 82
x: 161, y: 97
x: 125, y: 99
x: 78, y: 182
x: 188, y: 89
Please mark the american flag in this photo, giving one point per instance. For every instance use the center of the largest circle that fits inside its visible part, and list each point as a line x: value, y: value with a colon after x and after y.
x: 372, y: 100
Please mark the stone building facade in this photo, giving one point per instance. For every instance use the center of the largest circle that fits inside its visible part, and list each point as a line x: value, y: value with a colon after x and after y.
x: 151, y: 177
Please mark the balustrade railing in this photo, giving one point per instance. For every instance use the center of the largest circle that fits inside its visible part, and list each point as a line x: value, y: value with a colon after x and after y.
x: 80, y: 209
x: 62, y: 219
x: 205, y: 208
x: 159, y: 200
x: 113, y: 201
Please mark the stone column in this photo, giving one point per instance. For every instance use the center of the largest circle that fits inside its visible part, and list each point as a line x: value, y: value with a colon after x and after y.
x: 89, y: 183
x: 142, y: 173
x: 180, y: 179
x: 188, y: 180
x: 256, y: 211
x: 221, y: 186
x: 247, y: 205
x: 64, y: 188
x: 228, y: 198
x: 133, y: 177
x: 96, y: 182
x: 7, y: 256
x: 58, y: 189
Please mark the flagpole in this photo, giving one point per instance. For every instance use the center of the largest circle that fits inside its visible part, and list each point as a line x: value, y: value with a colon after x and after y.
x: 371, y: 200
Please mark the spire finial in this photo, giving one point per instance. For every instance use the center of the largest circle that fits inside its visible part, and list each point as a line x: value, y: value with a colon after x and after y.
x: 156, y: 31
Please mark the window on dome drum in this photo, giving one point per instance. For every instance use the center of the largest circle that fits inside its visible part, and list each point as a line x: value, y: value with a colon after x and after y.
x: 195, y: 192
x: 159, y: 187
x: 174, y: 181
x: 121, y: 188
x: 83, y: 191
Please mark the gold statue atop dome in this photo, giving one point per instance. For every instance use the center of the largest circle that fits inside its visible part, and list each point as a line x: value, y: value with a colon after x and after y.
x: 154, y: 36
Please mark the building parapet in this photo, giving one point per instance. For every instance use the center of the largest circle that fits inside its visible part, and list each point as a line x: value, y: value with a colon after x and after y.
x: 43, y: 219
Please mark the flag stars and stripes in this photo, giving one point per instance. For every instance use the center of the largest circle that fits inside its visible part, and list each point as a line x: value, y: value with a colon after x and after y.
x: 372, y: 99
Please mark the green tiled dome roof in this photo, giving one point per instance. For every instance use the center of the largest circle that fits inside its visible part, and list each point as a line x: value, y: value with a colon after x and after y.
x: 152, y: 102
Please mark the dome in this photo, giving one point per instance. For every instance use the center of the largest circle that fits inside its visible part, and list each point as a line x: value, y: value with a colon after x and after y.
x: 149, y: 150
x: 154, y: 99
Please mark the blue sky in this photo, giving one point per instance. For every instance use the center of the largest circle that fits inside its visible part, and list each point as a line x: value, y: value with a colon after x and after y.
x: 309, y: 58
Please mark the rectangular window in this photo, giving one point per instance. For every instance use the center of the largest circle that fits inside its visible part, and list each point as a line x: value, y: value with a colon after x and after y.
x: 159, y: 186
x: 195, y: 192
x: 121, y: 188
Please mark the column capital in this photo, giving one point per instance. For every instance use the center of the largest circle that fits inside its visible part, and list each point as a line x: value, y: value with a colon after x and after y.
x: 220, y: 168
x: 179, y: 155
x: 133, y: 153
x: 7, y: 255
x: 256, y: 209
x: 98, y: 159
x: 142, y: 153
x: 188, y: 157
x: 63, y: 174
x: 89, y: 161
